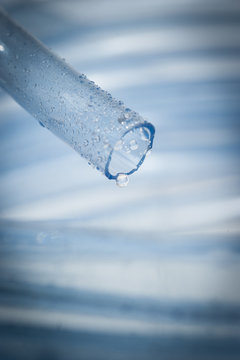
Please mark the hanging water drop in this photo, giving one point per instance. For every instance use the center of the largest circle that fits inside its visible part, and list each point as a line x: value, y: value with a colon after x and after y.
x: 122, y: 180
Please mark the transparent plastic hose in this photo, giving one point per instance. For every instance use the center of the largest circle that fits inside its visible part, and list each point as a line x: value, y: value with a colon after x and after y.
x: 112, y: 138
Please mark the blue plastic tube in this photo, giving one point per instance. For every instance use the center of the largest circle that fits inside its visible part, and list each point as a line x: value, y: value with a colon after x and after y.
x: 112, y: 138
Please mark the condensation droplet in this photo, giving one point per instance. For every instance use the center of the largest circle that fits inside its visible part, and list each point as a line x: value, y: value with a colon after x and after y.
x: 96, y: 139
x: 127, y: 149
x: 122, y: 119
x: 118, y: 145
x: 106, y: 146
x: 133, y: 145
x: 122, y: 180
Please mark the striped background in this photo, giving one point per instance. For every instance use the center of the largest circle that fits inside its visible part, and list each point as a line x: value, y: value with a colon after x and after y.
x: 91, y: 271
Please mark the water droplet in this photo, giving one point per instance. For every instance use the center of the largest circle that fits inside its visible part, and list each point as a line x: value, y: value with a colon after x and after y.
x: 118, y: 145
x: 122, y: 119
x: 106, y: 146
x: 127, y: 149
x: 122, y: 180
x: 85, y: 143
x: 96, y: 139
x: 133, y: 145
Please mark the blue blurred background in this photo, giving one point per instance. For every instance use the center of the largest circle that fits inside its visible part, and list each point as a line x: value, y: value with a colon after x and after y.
x: 151, y: 271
